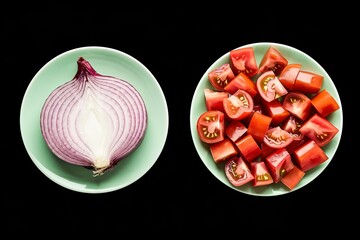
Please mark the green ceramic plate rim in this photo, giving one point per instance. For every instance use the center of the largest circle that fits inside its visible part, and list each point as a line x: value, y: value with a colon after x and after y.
x: 107, y: 61
x: 198, y: 106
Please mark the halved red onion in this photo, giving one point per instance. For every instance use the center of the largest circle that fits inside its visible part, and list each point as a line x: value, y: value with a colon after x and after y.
x: 93, y: 120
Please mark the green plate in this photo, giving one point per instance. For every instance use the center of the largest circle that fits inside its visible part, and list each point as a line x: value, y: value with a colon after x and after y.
x: 293, y: 55
x: 106, y: 61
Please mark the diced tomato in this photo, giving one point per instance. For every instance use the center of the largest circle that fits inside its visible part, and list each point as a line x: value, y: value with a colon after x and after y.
x: 309, y: 155
x: 223, y: 150
x: 292, y: 178
x: 214, y: 99
x: 261, y: 174
x: 298, y: 104
x: 258, y: 126
x: 289, y: 74
x: 211, y: 126
x: 276, y: 137
x: 324, y: 103
x: 221, y: 76
x: 308, y: 82
x: 319, y: 129
x: 269, y: 87
x: 243, y: 60
x: 276, y: 111
x: 256, y: 108
x: 243, y: 82
x: 272, y: 60
x: 235, y: 129
x: 238, y: 105
x: 237, y: 171
x: 279, y: 164
x: 292, y: 125
x: 266, y: 150
x: 248, y: 148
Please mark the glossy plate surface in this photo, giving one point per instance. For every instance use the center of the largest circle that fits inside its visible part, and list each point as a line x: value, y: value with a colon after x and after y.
x: 105, y: 61
x: 293, y: 55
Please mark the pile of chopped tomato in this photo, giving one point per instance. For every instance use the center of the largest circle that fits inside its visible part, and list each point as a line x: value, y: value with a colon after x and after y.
x: 267, y: 122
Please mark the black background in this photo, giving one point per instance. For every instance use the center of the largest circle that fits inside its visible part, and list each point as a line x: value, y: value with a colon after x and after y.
x: 177, y: 43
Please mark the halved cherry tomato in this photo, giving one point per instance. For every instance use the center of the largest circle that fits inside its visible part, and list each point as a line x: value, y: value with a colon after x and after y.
x: 241, y: 81
x: 319, y: 129
x: 308, y: 82
x: 214, y: 99
x: 221, y: 76
x: 289, y: 74
x: 211, y: 126
x: 222, y: 151
x: 324, y: 103
x: 248, y: 147
x: 261, y: 174
x: 292, y: 178
x: 258, y: 126
x: 243, y: 60
x: 309, y: 155
x: 237, y: 171
x: 298, y: 104
x: 272, y: 60
x: 269, y: 86
x: 238, y: 105
x: 277, y: 137
x: 279, y: 164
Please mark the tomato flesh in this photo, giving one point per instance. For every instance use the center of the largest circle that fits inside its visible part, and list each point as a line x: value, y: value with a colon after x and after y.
x: 261, y: 174
x: 309, y: 155
x: 238, y: 172
x: 269, y: 86
x: 319, y: 129
x: 221, y: 76
x: 241, y: 81
x: 279, y: 163
x: 273, y: 60
x: 324, y: 103
x: 238, y: 105
x: 211, y: 126
x: 242, y: 60
x: 308, y: 82
x: 214, y: 99
x: 289, y: 74
x: 298, y: 104
x: 276, y: 137
x: 223, y: 150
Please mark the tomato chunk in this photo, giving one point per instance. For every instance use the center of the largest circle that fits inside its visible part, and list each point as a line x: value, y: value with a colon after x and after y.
x: 279, y: 163
x: 211, y: 126
x: 292, y: 178
x: 238, y: 172
x: 309, y: 155
x: 269, y: 86
x: 261, y: 174
x: 272, y: 60
x: 214, y: 99
x: 308, y: 82
x: 238, y: 105
x: 243, y: 82
x: 324, y: 103
x: 258, y: 126
x: 277, y: 137
x: 235, y: 129
x: 289, y: 74
x: 248, y: 148
x: 242, y: 60
x: 223, y: 150
x: 298, y: 104
x: 221, y: 76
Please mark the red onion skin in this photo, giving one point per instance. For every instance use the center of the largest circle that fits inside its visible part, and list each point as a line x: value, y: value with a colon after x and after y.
x: 109, y: 106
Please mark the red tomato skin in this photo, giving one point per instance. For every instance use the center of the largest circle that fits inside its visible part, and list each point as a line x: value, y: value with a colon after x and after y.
x: 221, y: 151
x: 238, y: 172
x: 324, y: 103
x: 221, y: 76
x: 319, y: 129
x: 248, y: 148
x: 276, y: 111
x: 238, y: 105
x: 209, y: 124
x: 308, y: 82
x: 261, y: 174
x: 258, y: 126
x: 234, y: 130
x: 214, y: 99
x: 289, y: 74
x: 243, y: 60
x: 272, y: 60
x: 292, y: 178
x: 243, y: 82
x: 309, y: 155
x: 298, y: 104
